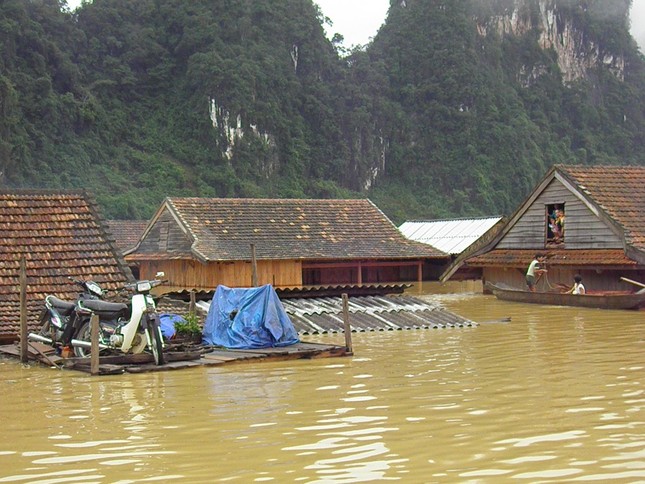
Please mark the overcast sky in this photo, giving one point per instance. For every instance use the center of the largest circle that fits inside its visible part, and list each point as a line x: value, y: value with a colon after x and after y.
x: 359, y: 20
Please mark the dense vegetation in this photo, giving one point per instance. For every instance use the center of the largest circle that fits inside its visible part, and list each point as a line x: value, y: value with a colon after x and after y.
x: 136, y: 100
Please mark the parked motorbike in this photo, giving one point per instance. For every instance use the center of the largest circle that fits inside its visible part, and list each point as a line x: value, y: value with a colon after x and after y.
x: 129, y: 328
x: 60, y: 319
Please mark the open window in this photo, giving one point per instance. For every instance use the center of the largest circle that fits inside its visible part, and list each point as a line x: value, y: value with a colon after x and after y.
x: 554, y: 224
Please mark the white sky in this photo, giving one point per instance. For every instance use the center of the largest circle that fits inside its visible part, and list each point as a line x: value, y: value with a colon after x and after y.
x: 356, y: 20
x: 359, y: 20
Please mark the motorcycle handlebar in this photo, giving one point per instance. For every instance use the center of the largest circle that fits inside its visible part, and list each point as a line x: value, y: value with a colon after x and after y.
x: 140, y: 285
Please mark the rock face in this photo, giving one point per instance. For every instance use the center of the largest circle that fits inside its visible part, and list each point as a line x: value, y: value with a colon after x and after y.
x: 577, y: 52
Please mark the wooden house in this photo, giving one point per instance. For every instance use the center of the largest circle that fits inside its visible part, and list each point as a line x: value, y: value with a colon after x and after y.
x: 200, y: 243
x: 61, y: 236
x: 602, y: 237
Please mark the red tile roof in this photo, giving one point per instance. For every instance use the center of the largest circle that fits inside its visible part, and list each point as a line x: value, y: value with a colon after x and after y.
x: 560, y: 257
x: 619, y: 191
x: 126, y: 233
x: 60, y: 234
x: 294, y: 229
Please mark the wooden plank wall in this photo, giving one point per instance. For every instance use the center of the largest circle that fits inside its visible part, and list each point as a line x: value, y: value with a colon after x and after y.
x: 583, y: 229
x: 165, y: 235
x: 190, y: 274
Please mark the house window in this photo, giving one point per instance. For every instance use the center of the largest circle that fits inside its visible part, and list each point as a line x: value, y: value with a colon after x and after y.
x: 555, y: 224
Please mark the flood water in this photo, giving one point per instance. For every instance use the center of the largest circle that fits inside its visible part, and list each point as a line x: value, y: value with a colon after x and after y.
x: 554, y: 395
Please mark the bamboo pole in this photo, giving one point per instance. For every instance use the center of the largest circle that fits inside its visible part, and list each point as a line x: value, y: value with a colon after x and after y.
x: 254, y: 267
x: 24, y: 353
x: 639, y: 284
x: 347, y: 327
x: 94, y: 335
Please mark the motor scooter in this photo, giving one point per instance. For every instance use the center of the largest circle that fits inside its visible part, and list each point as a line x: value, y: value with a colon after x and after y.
x: 129, y: 328
x: 60, y: 319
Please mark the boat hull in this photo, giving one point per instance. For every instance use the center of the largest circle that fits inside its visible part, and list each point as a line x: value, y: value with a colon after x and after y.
x: 598, y: 301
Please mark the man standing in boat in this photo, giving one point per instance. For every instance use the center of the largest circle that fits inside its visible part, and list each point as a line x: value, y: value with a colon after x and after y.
x: 534, y: 269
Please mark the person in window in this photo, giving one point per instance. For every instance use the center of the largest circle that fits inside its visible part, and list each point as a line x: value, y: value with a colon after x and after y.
x: 533, y: 270
x: 559, y: 224
x: 556, y: 224
x: 578, y: 287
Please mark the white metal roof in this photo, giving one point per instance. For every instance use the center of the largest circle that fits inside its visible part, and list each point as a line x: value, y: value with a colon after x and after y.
x: 451, y: 236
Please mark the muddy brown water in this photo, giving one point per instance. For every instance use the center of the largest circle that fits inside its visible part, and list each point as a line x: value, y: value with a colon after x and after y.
x: 555, y: 395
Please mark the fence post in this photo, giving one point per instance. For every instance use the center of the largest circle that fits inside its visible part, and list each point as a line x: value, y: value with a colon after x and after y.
x: 94, y: 336
x: 347, y: 327
x: 254, y: 267
x: 192, y: 308
x: 24, y: 355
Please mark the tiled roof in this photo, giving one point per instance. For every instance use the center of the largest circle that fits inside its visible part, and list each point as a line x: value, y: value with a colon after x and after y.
x: 303, y: 229
x: 126, y: 233
x: 61, y: 236
x: 451, y: 236
x: 619, y: 191
x: 522, y: 257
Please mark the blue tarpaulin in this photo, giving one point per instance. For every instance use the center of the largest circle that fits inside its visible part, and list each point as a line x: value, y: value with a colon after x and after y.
x: 248, y: 318
x: 168, y: 324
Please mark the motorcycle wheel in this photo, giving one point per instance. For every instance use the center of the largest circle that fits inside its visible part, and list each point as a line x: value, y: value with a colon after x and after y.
x: 45, y: 329
x: 153, y: 333
x: 85, y: 334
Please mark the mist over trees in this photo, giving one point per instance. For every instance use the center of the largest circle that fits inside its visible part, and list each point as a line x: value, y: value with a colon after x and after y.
x: 443, y: 115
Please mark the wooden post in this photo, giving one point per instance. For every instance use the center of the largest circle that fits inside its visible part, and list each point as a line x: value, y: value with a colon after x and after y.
x: 347, y: 327
x: 420, y: 276
x: 254, y: 267
x: 24, y: 354
x: 360, y: 273
x: 192, y: 308
x: 94, y: 355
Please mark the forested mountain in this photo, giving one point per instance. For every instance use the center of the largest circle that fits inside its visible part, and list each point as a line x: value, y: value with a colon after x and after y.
x: 456, y: 108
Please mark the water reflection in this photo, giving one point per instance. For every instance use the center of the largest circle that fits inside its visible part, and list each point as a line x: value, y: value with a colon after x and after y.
x: 554, y: 395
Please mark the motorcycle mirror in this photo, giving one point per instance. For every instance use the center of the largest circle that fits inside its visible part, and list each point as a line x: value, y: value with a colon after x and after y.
x: 160, y: 274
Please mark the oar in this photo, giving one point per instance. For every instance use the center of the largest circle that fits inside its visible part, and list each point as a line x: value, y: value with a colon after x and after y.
x: 639, y: 284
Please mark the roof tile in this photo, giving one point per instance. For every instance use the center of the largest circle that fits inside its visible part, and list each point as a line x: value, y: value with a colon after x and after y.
x: 60, y: 234
x: 294, y: 229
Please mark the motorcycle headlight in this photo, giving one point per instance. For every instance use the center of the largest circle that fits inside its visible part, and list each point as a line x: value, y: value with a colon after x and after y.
x: 143, y: 286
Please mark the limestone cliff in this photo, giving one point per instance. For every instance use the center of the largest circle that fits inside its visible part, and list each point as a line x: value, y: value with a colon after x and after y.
x: 563, y: 26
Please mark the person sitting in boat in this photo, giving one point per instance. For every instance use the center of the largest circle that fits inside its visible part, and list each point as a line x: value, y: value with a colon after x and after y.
x: 534, y: 270
x: 578, y: 287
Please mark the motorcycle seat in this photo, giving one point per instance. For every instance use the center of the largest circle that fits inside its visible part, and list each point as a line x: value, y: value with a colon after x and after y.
x: 63, y: 307
x: 104, y: 306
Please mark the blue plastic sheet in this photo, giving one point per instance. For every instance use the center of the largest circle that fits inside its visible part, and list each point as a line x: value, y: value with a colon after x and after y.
x: 167, y: 322
x: 248, y: 318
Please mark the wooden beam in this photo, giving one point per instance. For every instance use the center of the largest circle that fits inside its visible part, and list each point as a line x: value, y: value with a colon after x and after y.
x: 254, y: 267
x: 24, y: 352
x: 346, y: 324
x: 94, y: 355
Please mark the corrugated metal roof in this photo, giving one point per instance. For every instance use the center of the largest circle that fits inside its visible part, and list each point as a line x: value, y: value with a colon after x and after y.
x: 367, y: 313
x: 451, y: 236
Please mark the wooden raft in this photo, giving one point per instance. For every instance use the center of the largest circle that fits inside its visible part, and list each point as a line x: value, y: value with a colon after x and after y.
x: 182, y: 357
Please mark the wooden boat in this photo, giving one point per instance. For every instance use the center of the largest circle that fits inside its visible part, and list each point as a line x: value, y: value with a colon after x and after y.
x: 609, y: 300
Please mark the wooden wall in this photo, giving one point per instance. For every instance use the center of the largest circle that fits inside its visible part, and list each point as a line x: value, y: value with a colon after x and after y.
x: 190, y: 274
x: 165, y: 235
x: 582, y: 228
